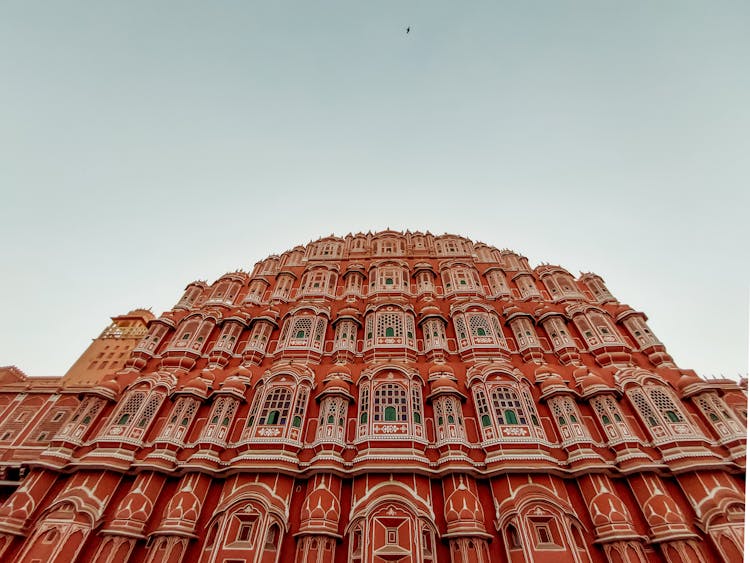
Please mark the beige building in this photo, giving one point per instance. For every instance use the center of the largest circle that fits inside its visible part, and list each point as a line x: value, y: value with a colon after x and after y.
x: 109, y: 351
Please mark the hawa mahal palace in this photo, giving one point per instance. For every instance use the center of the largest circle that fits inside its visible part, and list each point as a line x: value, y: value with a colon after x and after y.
x: 387, y: 397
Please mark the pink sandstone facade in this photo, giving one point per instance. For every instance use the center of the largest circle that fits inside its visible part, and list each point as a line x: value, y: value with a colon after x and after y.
x: 375, y: 398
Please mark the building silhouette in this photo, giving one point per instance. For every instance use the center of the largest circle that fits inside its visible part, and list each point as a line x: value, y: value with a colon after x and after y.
x: 379, y: 397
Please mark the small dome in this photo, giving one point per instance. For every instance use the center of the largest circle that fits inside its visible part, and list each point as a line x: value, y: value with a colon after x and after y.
x: 198, y: 385
x: 608, y: 509
x: 511, y: 310
x: 687, y: 379
x: 270, y: 313
x: 443, y: 383
x: 349, y: 312
x: 554, y: 381
x: 233, y: 383
x: 183, y: 506
x: 337, y: 383
x: 111, y: 385
x: 321, y: 504
x: 242, y: 371
x: 340, y: 370
x: 462, y: 506
x: 209, y: 374
x: 440, y: 369
x: 544, y: 371
x: 661, y: 509
x: 620, y: 309
x: 587, y: 380
x: 355, y: 268
x: 428, y: 310
x: 135, y: 506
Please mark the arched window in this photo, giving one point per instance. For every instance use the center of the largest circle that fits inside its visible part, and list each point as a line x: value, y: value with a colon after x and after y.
x: 479, y: 324
x: 346, y: 335
x: 136, y: 414
x: 192, y: 292
x: 300, y: 406
x: 222, y: 414
x: 224, y: 292
x: 278, y: 411
x: 319, y: 281
x: 448, y: 415
x: 148, y: 412
x: 660, y: 411
x: 389, y: 403
x: 608, y: 411
x: 180, y: 418
x: 527, y: 286
x: 416, y: 404
x: 151, y: 341
x: 390, y: 324
x: 82, y: 418
x: 187, y: 332
x: 389, y: 327
x: 389, y: 277
x: 498, y: 284
x: 129, y: 408
x: 259, y: 337
x: 364, y: 406
x: 433, y: 331
x: 276, y: 408
x: 393, y: 409
x: 303, y: 331
x: 724, y: 421
x: 332, y: 419
x: 256, y: 290
x: 461, y: 278
x: 478, y: 332
x: 507, y: 406
x: 567, y: 416
x: 510, y: 412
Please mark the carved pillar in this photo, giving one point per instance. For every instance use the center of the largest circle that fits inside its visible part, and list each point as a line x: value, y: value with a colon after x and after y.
x: 682, y: 551
x: 465, y: 521
x: 319, y: 524
x: 469, y: 550
x: 613, y: 523
x: 624, y: 552
x: 114, y: 549
x: 315, y: 549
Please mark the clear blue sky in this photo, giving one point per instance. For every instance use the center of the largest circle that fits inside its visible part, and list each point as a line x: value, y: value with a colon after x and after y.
x: 147, y: 144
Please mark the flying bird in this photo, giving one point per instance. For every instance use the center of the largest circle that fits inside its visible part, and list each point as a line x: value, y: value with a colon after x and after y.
x: 408, y: 29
